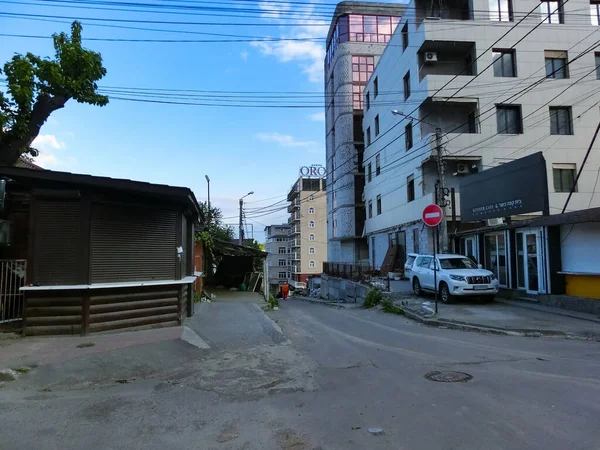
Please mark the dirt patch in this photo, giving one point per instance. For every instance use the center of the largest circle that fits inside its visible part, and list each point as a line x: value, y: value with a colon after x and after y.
x: 251, y: 373
x: 229, y: 432
x: 290, y: 439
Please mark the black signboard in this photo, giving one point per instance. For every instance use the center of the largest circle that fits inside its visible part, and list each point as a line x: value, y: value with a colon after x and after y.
x: 517, y: 187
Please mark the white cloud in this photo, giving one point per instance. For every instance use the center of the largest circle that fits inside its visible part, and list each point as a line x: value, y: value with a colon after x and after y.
x: 45, y: 141
x: 317, y: 117
x: 47, y: 145
x: 285, y: 140
x: 244, y: 56
x: 308, y: 53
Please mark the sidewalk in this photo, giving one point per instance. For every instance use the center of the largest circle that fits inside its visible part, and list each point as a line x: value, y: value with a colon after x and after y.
x: 37, y: 351
x: 502, y: 317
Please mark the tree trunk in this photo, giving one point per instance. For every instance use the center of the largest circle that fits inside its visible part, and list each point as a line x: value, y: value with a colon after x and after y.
x: 12, y: 147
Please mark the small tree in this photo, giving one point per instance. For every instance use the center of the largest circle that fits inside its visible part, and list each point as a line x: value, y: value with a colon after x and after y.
x: 213, y: 228
x: 39, y: 86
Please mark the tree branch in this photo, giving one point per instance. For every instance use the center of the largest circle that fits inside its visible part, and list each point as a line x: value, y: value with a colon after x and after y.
x: 12, y: 147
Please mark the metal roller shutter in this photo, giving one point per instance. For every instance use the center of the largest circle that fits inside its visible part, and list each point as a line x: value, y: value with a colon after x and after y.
x: 132, y: 243
x: 57, y: 237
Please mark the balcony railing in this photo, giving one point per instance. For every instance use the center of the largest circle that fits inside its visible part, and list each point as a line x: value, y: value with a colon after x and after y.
x: 355, y: 272
x: 293, y: 206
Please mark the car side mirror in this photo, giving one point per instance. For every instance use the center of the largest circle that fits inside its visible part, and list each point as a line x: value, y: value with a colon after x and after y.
x: 479, y: 266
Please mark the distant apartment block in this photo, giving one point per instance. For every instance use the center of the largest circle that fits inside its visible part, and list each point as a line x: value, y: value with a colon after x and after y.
x: 276, y: 246
x: 307, y: 235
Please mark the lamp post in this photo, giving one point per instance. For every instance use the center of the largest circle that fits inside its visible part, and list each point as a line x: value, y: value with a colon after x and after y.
x: 208, y: 183
x: 241, y: 237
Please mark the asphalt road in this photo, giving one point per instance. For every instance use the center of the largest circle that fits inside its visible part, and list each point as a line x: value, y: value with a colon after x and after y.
x: 334, y: 375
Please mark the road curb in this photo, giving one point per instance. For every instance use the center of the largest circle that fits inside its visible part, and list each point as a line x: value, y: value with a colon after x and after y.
x: 464, y: 326
x: 320, y: 302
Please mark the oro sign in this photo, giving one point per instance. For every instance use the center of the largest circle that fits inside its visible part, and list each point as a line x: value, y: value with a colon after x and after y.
x: 432, y: 215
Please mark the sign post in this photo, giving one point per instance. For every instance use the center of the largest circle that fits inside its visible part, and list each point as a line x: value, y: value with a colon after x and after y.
x: 432, y: 217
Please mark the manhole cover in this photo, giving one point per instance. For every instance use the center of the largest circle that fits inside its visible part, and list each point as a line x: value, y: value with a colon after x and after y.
x: 448, y: 377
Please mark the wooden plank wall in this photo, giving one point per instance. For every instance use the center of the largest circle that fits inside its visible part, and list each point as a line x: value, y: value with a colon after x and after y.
x: 83, y: 312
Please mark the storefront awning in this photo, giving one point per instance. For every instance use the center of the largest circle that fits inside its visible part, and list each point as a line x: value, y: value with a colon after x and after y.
x: 570, y: 218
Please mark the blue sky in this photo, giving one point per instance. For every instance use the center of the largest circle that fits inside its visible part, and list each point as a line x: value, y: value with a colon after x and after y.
x: 241, y: 149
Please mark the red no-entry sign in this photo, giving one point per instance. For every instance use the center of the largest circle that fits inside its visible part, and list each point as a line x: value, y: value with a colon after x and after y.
x: 432, y: 215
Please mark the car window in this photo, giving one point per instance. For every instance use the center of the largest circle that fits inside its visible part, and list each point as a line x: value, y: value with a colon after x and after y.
x: 410, y: 260
x: 457, y: 263
x: 425, y: 261
x: 431, y: 265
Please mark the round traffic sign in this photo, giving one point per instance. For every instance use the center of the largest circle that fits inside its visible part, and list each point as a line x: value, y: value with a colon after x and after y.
x: 432, y: 215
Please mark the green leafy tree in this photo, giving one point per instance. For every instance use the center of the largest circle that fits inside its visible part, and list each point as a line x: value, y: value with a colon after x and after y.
x: 39, y: 86
x: 213, y: 223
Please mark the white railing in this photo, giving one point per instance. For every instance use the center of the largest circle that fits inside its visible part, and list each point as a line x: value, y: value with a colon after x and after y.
x: 12, y: 278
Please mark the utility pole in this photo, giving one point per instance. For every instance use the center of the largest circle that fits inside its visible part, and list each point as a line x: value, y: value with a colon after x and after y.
x: 241, y: 224
x: 441, y: 191
x: 241, y: 230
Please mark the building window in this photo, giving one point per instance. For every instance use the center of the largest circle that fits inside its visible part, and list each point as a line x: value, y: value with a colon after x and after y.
x: 504, y: 63
x: 282, y: 250
x: 369, y: 173
x: 595, y: 12
x: 415, y: 233
x: 368, y: 100
x: 501, y: 10
x: 312, y: 264
x: 378, y: 204
x: 311, y: 251
x: 368, y: 136
x: 556, y: 64
x: 509, y: 119
x: 377, y: 165
x: 552, y: 11
x: 410, y: 188
x: 408, y: 137
x: 311, y: 237
x: 370, y: 209
x: 377, y: 125
x: 564, y: 177
x: 368, y: 28
x: 375, y: 87
x: 362, y: 68
x: 407, y: 85
x: 311, y: 224
x: 282, y: 263
x: 311, y: 210
x: 560, y: 120
x: 405, y: 37
x: 282, y: 274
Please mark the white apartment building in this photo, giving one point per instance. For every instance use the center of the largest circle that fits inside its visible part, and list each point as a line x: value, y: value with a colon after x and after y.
x: 277, y: 261
x: 358, y: 34
x: 495, y: 98
x: 308, y: 232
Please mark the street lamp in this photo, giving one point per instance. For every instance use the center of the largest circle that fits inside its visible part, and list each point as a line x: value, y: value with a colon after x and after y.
x: 208, y: 183
x: 241, y: 237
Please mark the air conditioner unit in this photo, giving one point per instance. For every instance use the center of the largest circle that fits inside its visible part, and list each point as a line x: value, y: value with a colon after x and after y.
x: 462, y: 168
x: 430, y: 57
x: 495, y: 222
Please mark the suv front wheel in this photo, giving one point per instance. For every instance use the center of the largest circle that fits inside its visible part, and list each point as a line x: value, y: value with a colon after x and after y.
x: 445, y: 293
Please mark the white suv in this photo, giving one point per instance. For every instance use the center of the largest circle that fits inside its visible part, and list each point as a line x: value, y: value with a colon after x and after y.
x: 457, y: 275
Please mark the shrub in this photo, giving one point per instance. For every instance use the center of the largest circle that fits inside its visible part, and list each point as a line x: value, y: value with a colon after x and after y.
x: 373, y: 298
x: 388, y: 307
x: 273, y: 302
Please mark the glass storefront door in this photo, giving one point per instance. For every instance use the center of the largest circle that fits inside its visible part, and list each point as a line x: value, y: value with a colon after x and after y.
x: 528, y: 261
x: 495, y: 256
